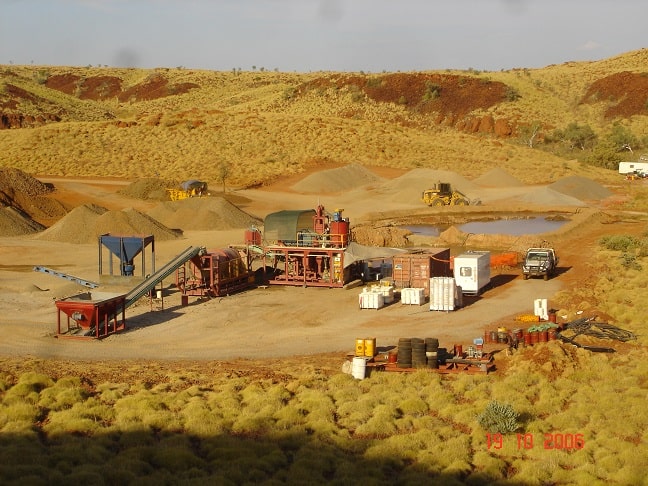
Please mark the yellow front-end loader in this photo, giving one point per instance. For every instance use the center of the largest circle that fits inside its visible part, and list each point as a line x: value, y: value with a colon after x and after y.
x: 192, y: 188
x: 442, y: 194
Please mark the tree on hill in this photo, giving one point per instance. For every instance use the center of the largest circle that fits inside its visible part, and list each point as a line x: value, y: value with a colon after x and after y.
x: 575, y: 136
x: 223, y: 173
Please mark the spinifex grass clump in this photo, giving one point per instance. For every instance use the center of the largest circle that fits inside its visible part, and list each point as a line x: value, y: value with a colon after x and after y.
x: 499, y: 418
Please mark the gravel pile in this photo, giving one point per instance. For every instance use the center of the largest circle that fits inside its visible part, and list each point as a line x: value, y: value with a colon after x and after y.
x: 86, y: 223
x: 22, y: 198
x: 581, y: 188
x: 546, y: 196
x: 15, y: 223
x: 337, y: 180
x: 497, y: 178
x: 202, y: 214
x: 409, y: 187
x: 14, y: 181
x: 151, y: 188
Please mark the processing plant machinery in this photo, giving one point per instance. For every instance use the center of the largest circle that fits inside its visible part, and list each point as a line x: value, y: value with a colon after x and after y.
x: 306, y: 247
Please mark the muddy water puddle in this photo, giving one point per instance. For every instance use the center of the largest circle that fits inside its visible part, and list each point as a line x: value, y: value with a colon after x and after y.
x: 505, y: 225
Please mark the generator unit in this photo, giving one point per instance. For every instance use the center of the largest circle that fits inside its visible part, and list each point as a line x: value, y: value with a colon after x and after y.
x: 472, y: 271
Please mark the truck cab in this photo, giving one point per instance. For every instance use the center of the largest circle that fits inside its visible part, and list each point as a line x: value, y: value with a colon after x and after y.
x: 539, y: 262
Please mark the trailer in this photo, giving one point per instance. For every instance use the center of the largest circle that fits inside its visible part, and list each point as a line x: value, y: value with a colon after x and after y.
x: 640, y: 167
x: 472, y: 271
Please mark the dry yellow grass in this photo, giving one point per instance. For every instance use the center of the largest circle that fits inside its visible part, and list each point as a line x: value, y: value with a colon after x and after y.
x: 253, y: 122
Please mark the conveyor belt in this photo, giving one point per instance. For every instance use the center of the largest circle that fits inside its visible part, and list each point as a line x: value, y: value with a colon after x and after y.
x: 149, y: 284
x: 80, y: 281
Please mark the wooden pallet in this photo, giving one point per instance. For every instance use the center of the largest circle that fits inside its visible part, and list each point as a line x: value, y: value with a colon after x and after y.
x: 452, y: 365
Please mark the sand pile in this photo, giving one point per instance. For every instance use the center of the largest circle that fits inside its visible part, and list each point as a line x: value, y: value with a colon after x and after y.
x: 545, y: 196
x: 337, y: 180
x: 150, y: 188
x: 202, y: 214
x: 86, y: 223
x: 581, y: 188
x: 497, y: 178
x: 15, y: 223
x: 569, y: 191
x: 409, y: 187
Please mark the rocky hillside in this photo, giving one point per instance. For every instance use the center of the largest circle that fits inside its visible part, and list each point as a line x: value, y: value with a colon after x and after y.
x: 252, y: 127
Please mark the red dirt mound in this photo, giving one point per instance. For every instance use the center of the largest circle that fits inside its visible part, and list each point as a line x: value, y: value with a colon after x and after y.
x: 424, y: 93
x: 106, y: 87
x: 12, y: 99
x: 626, y: 92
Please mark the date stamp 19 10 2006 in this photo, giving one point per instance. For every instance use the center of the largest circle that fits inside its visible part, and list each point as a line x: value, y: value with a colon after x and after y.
x: 549, y: 441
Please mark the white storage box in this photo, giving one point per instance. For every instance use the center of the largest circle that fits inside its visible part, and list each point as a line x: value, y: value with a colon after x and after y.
x: 443, y: 293
x: 540, y: 309
x: 371, y: 300
x: 413, y: 296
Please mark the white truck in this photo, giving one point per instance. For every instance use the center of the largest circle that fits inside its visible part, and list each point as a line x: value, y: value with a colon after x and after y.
x: 539, y: 262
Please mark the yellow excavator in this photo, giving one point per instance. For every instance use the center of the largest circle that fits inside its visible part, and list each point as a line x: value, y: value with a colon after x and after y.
x: 192, y: 188
x: 442, y: 194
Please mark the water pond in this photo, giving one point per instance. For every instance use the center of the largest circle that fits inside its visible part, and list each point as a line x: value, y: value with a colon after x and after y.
x: 507, y: 225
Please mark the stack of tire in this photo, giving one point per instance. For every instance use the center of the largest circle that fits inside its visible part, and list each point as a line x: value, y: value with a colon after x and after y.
x: 404, y: 359
x: 432, y: 352
x: 419, y: 359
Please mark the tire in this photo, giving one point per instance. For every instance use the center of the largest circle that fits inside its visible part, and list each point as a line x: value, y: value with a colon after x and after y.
x: 460, y: 202
x: 545, y: 276
x: 437, y: 202
x: 525, y: 276
x: 431, y: 344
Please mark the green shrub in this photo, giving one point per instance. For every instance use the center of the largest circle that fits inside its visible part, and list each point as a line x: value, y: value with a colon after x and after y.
x: 628, y: 260
x: 27, y: 388
x: 63, y: 394
x: 499, y: 418
x: 619, y: 242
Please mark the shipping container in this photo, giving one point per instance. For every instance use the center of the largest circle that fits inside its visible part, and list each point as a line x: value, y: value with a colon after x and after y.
x: 472, y: 271
x: 414, y: 270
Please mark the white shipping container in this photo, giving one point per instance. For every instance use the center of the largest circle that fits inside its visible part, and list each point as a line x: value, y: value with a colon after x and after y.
x: 472, y: 271
x: 442, y: 293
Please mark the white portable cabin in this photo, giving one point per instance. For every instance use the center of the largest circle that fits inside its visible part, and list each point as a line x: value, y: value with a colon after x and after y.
x: 632, y: 167
x: 472, y: 271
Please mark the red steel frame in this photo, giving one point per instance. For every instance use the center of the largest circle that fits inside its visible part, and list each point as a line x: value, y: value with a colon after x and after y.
x: 86, y: 313
x: 307, y: 266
